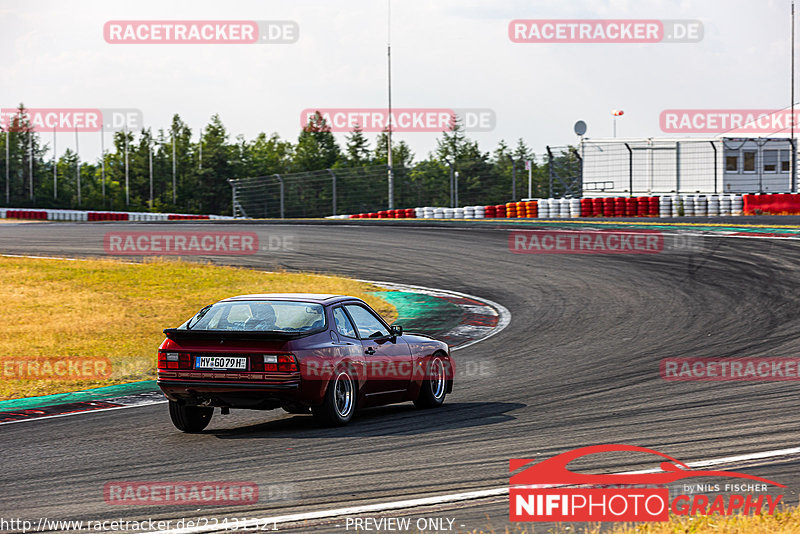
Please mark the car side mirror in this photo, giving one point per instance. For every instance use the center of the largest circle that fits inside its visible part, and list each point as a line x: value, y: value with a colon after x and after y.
x: 397, y: 330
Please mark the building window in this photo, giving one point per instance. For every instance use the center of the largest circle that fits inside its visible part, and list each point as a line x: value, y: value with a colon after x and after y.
x: 731, y: 161
x: 786, y: 160
x: 749, y: 160
x: 770, y: 161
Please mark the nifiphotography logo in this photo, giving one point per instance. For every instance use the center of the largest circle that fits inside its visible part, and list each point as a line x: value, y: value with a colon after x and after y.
x: 548, y: 491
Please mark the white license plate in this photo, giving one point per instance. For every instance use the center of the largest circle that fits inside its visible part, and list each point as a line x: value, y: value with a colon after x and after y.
x: 220, y: 362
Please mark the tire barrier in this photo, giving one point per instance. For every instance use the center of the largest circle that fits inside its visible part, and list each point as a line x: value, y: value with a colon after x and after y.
x: 696, y: 205
x: 92, y: 216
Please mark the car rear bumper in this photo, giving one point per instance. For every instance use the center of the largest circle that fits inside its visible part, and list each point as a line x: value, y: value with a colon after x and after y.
x: 259, y: 396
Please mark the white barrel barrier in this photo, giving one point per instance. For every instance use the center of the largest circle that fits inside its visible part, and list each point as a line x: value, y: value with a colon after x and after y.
x: 480, y: 212
x: 458, y: 213
x: 724, y: 205
x: 664, y: 206
x: 563, y: 205
x: 677, y: 205
x: 449, y: 213
x: 553, y: 207
x: 438, y: 213
x: 700, y: 206
x: 419, y: 213
x: 575, y: 207
x: 3, y: 212
x: 469, y: 212
x: 543, y: 208
x: 429, y: 212
x: 688, y: 206
x: 713, y: 206
x: 737, y: 205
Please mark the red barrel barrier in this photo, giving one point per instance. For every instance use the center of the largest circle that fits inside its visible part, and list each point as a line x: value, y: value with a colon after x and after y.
x: 531, y: 209
x: 500, y: 210
x: 619, y: 207
x: 643, y: 206
x: 411, y: 213
x: 632, y: 206
x: 609, y: 207
x: 597, y: 206
x: 654, y: 203
x: 587, y: 207
x: 489, y: 212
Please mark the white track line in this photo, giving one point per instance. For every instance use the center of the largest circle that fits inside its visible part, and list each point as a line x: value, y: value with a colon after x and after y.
x: 443, y: 499
x: 84, y: 412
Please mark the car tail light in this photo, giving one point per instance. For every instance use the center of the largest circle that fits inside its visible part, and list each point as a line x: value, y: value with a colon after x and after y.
x: 174, y: 360
x: 287, y: 363
x: 275, y: 363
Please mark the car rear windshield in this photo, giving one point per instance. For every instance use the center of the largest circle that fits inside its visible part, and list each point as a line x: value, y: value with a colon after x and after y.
x: 258, y: 316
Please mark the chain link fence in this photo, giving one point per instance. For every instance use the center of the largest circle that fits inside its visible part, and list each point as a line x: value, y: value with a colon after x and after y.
x: 348, y: 190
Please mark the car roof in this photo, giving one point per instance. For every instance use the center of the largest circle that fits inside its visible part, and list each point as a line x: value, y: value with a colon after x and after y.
x: 321, y: 298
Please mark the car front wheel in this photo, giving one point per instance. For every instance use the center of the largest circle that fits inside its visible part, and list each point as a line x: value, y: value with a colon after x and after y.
x: 189, y: 418
x: 339, y: 404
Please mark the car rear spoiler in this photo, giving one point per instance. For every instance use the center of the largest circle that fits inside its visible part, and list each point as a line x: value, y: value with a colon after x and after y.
x: 182, y: 333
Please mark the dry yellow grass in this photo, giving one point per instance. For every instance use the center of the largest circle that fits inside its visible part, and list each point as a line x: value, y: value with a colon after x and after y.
x: 104, y: 308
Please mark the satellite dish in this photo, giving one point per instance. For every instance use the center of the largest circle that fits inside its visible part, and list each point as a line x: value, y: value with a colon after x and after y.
x: 580, y: 128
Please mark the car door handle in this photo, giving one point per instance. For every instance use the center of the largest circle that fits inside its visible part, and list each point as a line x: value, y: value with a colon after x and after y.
x: 369, y: 350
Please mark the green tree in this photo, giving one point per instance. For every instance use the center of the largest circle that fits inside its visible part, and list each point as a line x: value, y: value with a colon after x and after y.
x: 357, y: 148
x: 401, y: 152
x: 213, y: 194
x: 316, y: 147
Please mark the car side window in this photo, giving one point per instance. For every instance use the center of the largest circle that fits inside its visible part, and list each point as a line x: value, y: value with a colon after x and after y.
x: 343, y: 324
x: 368, y: 325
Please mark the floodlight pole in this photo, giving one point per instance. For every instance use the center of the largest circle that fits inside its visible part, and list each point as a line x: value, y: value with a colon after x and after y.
x: 791, y: 122
x: 389, y: 83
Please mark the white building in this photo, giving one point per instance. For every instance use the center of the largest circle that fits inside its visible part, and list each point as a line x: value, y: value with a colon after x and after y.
x: 612, y: 167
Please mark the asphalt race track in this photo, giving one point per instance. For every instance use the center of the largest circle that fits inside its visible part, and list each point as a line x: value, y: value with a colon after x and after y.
x: 578, y: 365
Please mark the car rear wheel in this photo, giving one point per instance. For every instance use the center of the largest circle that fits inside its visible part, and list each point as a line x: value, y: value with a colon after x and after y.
x: 434, y: 387
x: 189, y: 418
x: 339, y: 404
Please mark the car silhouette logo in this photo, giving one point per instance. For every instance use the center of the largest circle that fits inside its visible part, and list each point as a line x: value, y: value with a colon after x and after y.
x: 554, y: 470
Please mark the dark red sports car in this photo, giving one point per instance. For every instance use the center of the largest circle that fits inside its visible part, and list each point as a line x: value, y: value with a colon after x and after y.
x: 327, y: 354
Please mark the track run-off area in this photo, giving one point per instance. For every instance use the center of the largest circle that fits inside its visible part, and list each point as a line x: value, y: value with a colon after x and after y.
x: 577, y: 365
